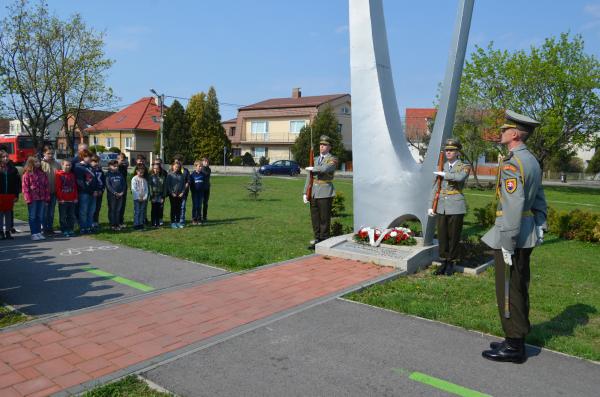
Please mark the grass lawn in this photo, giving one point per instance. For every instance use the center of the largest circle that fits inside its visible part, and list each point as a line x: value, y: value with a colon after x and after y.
x: 243, y: 233
x: 130, y: 386
x: 10, y: 317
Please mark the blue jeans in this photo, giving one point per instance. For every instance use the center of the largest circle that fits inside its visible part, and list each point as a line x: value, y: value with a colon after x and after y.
x: 49, y: 215
x: 36, y: 215
x: 87, y: 206
x: 200, y: 204
x: 182, y: 214
x: 139, y: 211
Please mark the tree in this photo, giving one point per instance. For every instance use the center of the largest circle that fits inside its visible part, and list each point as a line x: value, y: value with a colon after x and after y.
x: 248, y: 160
x: 255, y: 186
x: 176, y: 133
x: 556, y: 83
x: 324, y: 123
x: 50, y: 69
x: 593, y: 166
x: 208, y: 136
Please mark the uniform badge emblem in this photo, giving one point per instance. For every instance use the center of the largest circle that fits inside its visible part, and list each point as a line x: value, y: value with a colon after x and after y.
x: 510, y: 185
x: 510, y: 167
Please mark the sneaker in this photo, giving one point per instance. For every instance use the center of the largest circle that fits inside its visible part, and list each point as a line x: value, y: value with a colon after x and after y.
x: 41, y: 236
x: 35, y: 237
x: 174, y: 226
x: 15, y: 230
x: 180, y: 225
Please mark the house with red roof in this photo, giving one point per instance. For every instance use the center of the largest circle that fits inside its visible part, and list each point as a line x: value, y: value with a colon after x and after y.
x: 269, y: 128
x: 85, y: 119
x: 133, y: 130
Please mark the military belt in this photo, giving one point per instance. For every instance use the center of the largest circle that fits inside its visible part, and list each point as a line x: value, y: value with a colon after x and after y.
x: 524, y: 214
x: 451, y: 192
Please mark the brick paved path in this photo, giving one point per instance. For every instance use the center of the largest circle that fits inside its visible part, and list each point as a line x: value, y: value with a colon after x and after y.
x: 46, y: 358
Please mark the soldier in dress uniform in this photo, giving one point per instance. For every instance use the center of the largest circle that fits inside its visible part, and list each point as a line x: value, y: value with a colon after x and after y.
x: 322, y: 190
x: 451, y: 207
x: 519, y: 227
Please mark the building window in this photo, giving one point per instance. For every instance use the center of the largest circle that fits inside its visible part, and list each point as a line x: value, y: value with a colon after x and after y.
x: 95, y: 140
x: 296, y: 126
x: 129, y: 142
x: 231, y: 131
x: 260, y: 152
x: 345, y: 110
x: 110, y: 142
x: 339, y: 128
x: 260, y: 127
x: 236, y: 152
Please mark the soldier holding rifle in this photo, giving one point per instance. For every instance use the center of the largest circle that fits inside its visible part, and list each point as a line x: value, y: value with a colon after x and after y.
x: 320, y: 178
x: 448, y: 204
x: 519, y: 227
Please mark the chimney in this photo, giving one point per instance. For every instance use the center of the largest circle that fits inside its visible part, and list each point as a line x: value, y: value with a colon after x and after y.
x: 296, y: 93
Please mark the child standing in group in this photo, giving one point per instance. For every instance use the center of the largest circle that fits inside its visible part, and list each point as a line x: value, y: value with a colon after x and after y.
x: 116, y: 186
x: 50, y: 166
x: 158, y: 191
x: 86, y: 186
x: 99, y: 191
x: 36, y: 194
x: 186, y: 177
x: 123, y: 167
x: 139, y: 189
x: 200, y: 187
x: 10, y: 187
x: 176, y: 184
x: 66, y: 193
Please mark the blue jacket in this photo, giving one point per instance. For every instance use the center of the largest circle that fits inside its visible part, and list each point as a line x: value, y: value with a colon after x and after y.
x: 100, y: 179
x: 115, y: 182
x: 200, y: 181
x: 86, y: 179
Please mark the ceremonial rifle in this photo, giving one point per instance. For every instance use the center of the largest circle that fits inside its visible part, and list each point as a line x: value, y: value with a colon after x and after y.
x: 439, y: 182
x: 311, y: 163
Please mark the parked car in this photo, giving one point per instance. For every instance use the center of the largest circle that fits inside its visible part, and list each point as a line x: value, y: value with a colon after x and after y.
x: 106, y: 157
x: 281, y: 167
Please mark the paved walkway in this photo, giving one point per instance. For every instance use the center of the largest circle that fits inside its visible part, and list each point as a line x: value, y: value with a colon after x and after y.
x: 59, y: 354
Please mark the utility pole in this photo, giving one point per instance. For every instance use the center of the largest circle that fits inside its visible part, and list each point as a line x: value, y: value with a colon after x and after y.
x: 161, y: 100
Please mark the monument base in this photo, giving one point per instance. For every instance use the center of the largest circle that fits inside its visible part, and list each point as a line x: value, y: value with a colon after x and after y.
x: 409, y: 258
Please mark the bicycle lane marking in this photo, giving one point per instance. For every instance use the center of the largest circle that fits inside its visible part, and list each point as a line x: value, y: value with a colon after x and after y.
x: 118, y: 279
x: 440, y: 384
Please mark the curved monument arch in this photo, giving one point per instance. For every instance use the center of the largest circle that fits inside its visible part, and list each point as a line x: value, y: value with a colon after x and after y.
x: 388, y: 183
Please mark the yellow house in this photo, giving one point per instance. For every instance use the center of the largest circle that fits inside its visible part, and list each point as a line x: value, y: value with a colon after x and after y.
x: 269, y: 128
x: 133, y: 130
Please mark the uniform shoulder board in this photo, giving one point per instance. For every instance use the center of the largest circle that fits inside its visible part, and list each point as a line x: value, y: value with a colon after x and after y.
x: 509, y: 167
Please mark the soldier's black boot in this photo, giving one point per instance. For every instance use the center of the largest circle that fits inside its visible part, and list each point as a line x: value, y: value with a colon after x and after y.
x: 497, y: 345
x: 442, y: 269
x: 512, y: 350
x: 449, y: 269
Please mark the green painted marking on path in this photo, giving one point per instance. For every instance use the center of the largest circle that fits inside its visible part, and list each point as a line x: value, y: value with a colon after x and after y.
x: 119, y: 279
x: 445, y: 386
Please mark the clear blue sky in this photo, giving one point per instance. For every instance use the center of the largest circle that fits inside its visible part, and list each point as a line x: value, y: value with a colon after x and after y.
x: 255, y: 50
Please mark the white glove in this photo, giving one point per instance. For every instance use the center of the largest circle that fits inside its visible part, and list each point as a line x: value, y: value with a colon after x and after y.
x: 309, y: 168
x: 305, y: 199
x: 540, y: 235
x: 440, y: 173
x: 507, y: 256
x: 430, y: 212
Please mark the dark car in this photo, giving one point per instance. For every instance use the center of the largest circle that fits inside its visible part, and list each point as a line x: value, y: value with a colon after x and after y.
x: 281, y: 167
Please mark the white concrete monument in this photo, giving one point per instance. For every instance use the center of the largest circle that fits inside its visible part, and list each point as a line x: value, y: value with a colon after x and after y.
x: 389, y: 186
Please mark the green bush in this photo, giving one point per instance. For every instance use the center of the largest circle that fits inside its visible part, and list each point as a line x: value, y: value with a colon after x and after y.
x: 339, y: 204
x: 263, y: 160
x: 236, y: 161
x: 486, y: 216
x: 247, y: 159
x: 97, y: 149
x: 575, y: 225
x: 114, y: 149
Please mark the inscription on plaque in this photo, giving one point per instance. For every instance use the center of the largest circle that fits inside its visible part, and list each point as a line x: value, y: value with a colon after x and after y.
x: 368, y: 250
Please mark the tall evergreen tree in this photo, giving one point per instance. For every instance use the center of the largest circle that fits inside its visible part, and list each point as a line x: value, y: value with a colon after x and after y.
x: 208, y: 135
x: 176, y: 133
x: 325, y: 123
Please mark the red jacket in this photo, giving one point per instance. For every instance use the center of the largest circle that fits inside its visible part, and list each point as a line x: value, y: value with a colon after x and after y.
x: 35, y: 186
x: 66, y: 186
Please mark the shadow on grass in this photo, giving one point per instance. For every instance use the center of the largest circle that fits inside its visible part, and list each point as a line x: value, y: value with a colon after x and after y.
x: 167, y: 225
x: 562, y: 325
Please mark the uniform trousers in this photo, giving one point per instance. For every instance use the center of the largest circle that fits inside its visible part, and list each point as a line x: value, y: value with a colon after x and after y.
x: 449, y: 229
x: 517, y: 326
x: 320, y: 215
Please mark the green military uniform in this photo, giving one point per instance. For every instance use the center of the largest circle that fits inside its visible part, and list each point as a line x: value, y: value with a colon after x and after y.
x: 520, y: 214
x: 451, y: 209
x: 323, y: 192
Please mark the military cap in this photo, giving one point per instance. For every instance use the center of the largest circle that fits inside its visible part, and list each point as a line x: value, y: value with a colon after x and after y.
x: 519, y: 121
x: 325, y: 140
x: 452, y: 144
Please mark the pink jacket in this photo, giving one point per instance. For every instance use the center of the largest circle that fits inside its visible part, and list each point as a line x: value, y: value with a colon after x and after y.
x: 35, y: 186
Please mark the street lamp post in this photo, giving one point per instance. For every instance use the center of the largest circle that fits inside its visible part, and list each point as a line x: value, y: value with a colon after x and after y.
x: 161, y: 99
